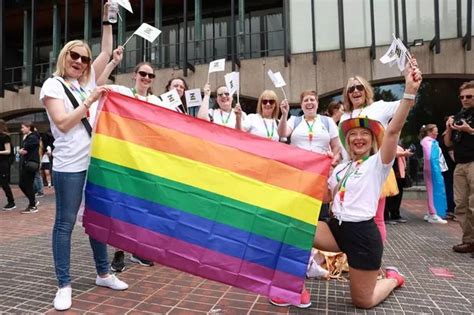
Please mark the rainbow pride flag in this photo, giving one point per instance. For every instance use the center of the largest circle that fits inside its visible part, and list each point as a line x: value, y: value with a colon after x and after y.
x: 204, y: 199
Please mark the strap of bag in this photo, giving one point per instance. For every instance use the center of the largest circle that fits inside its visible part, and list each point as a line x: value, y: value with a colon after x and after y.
x: 75, y: 104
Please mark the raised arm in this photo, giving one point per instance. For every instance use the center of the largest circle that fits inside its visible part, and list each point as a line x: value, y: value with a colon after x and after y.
x: 203, y: 112
x: 116, y: 59
x: 106, y: 47
x: 388, y: 149
x: 283, y: 130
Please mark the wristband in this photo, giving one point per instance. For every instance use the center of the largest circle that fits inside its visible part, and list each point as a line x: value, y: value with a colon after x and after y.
x: 106, y: 23
x: 410, y: 97
x: 113, y: 62
x: 85, y: 104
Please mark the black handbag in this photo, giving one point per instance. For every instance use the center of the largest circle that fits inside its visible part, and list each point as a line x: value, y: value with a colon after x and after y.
x: 31, y: 166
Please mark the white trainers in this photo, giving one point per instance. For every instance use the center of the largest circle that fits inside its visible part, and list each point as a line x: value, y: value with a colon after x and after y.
x: 425, y: 217
x: 63, y: 300
x: 434, y: 218
x: 111, y: 282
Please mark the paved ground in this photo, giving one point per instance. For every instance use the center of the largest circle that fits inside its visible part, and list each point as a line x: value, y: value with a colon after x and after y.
x: 27, y: 282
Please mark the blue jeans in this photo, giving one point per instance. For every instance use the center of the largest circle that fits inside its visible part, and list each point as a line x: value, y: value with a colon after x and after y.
x: 38, y: 183
x: 69, y: 189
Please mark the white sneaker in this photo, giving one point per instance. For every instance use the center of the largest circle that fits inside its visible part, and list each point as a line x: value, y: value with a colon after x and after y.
x: 434, y: 218
x: 426, y: 217
x: 63, y: 300
x: 111, y: 282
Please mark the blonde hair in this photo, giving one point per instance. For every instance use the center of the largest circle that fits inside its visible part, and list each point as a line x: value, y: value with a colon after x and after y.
x: 373, y: 149
x: 369, y: 92
x: 425, y: 129
x: 272, y: 95
x: 61, y: 63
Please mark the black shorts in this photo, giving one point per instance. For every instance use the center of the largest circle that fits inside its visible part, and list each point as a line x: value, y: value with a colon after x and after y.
x: 46, y: 166
x: 361, y: 241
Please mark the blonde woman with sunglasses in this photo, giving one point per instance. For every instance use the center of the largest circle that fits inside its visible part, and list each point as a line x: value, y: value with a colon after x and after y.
x: 224, y: 114
x: 70, y: 99
x: 359, y: 101
x: 265, y: 122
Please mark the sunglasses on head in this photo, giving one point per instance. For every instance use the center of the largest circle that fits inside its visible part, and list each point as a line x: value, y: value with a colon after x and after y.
x: 222, y: 94
x: 468, y: 97
x: 358, y: 87
x: 84, y: 59
x: 265, y: 102
x: 143, y: 74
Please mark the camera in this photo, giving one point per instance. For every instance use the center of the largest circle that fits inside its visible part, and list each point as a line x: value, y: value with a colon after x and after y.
x: 468, y: 116
x: 458, y: 122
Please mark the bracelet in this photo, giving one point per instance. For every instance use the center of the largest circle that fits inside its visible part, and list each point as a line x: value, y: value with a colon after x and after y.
x: 106, y: 23
x: 113, y: 62
x: 85, y: 104
x: 410, y: 97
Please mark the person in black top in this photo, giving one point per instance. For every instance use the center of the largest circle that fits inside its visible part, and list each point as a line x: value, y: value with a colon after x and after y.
x: 29, y: 165
x: 460, y: 136
x: 5, y: 162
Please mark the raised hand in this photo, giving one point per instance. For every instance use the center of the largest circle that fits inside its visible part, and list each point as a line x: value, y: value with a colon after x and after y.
x: 284, y: 107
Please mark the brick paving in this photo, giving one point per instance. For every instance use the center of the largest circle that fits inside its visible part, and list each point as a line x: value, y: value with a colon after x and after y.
x: 28, y: 285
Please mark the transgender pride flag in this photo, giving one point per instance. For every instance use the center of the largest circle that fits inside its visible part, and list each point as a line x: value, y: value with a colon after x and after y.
x: 205, y: 199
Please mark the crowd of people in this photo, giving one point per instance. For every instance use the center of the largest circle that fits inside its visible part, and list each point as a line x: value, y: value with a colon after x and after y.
x: 359, y: 134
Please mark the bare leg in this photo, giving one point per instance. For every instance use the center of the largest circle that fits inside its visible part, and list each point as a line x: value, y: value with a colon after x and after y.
x: 323, y: 239
x: 366, y: 290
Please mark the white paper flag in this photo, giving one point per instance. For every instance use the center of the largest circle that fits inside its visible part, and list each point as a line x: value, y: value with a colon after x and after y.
x: 193, y: 98
x: 396, y: 54
x: 276, y: 78
x: 148, y: 32
x: 126, y: 5
x: 232, y: 81
x: 217, y: 65
x: 171, y: 99
x: 392, y: 54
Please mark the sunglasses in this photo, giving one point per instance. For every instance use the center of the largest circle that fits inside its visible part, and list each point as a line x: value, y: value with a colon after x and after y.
x: 222, y: 94
x: 143, y: 74
x: 265, y: 102
x: 358, y: 87
x: 84, y: 59
x: 468, y: 97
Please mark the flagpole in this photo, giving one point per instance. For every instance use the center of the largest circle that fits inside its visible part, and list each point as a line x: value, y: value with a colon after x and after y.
x: 128, y: 40
x: 284, y: 94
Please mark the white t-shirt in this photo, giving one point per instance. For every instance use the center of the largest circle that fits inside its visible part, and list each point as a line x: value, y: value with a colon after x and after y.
x: 150, y: 98
x: 71, y: 149
x: 381, y: 111
x: 257, y: 125
x: 46, y: 155
x: 223, y: 118
x: 321, y: 135
x: 363, y: 188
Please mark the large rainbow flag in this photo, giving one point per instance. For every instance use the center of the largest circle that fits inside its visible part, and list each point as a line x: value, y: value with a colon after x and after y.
x: 205, y: 199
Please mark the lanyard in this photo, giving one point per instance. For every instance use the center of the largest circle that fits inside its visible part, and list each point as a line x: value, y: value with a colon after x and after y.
x: 79, y: 91
x: 310, y: 129
x: 349, y: 172
x: 222, y: 117
x: 361, y: 111
x: 135, y: 94
x: 269, y: 135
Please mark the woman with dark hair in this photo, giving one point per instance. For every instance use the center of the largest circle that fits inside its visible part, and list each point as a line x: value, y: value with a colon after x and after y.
x: 181, y: 86
x: 335, y: 110
x: 5, y: 163
x: 29, y: 164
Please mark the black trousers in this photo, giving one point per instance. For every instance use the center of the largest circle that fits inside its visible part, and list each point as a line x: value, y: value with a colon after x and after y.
x: 392, y: 204
x: 27, y: 179
x: 5, y: 183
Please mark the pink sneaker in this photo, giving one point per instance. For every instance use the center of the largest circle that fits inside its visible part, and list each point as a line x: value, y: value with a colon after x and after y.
x: 305, y: 301
x: 393, y: 273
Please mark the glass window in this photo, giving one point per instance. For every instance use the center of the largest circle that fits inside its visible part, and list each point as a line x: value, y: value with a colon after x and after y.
x: 327, y: 25
x: 357, y: 23
x: 300, y: 26
x: 448, y: 19
x: 420, y: 19
x: 384, y: 13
